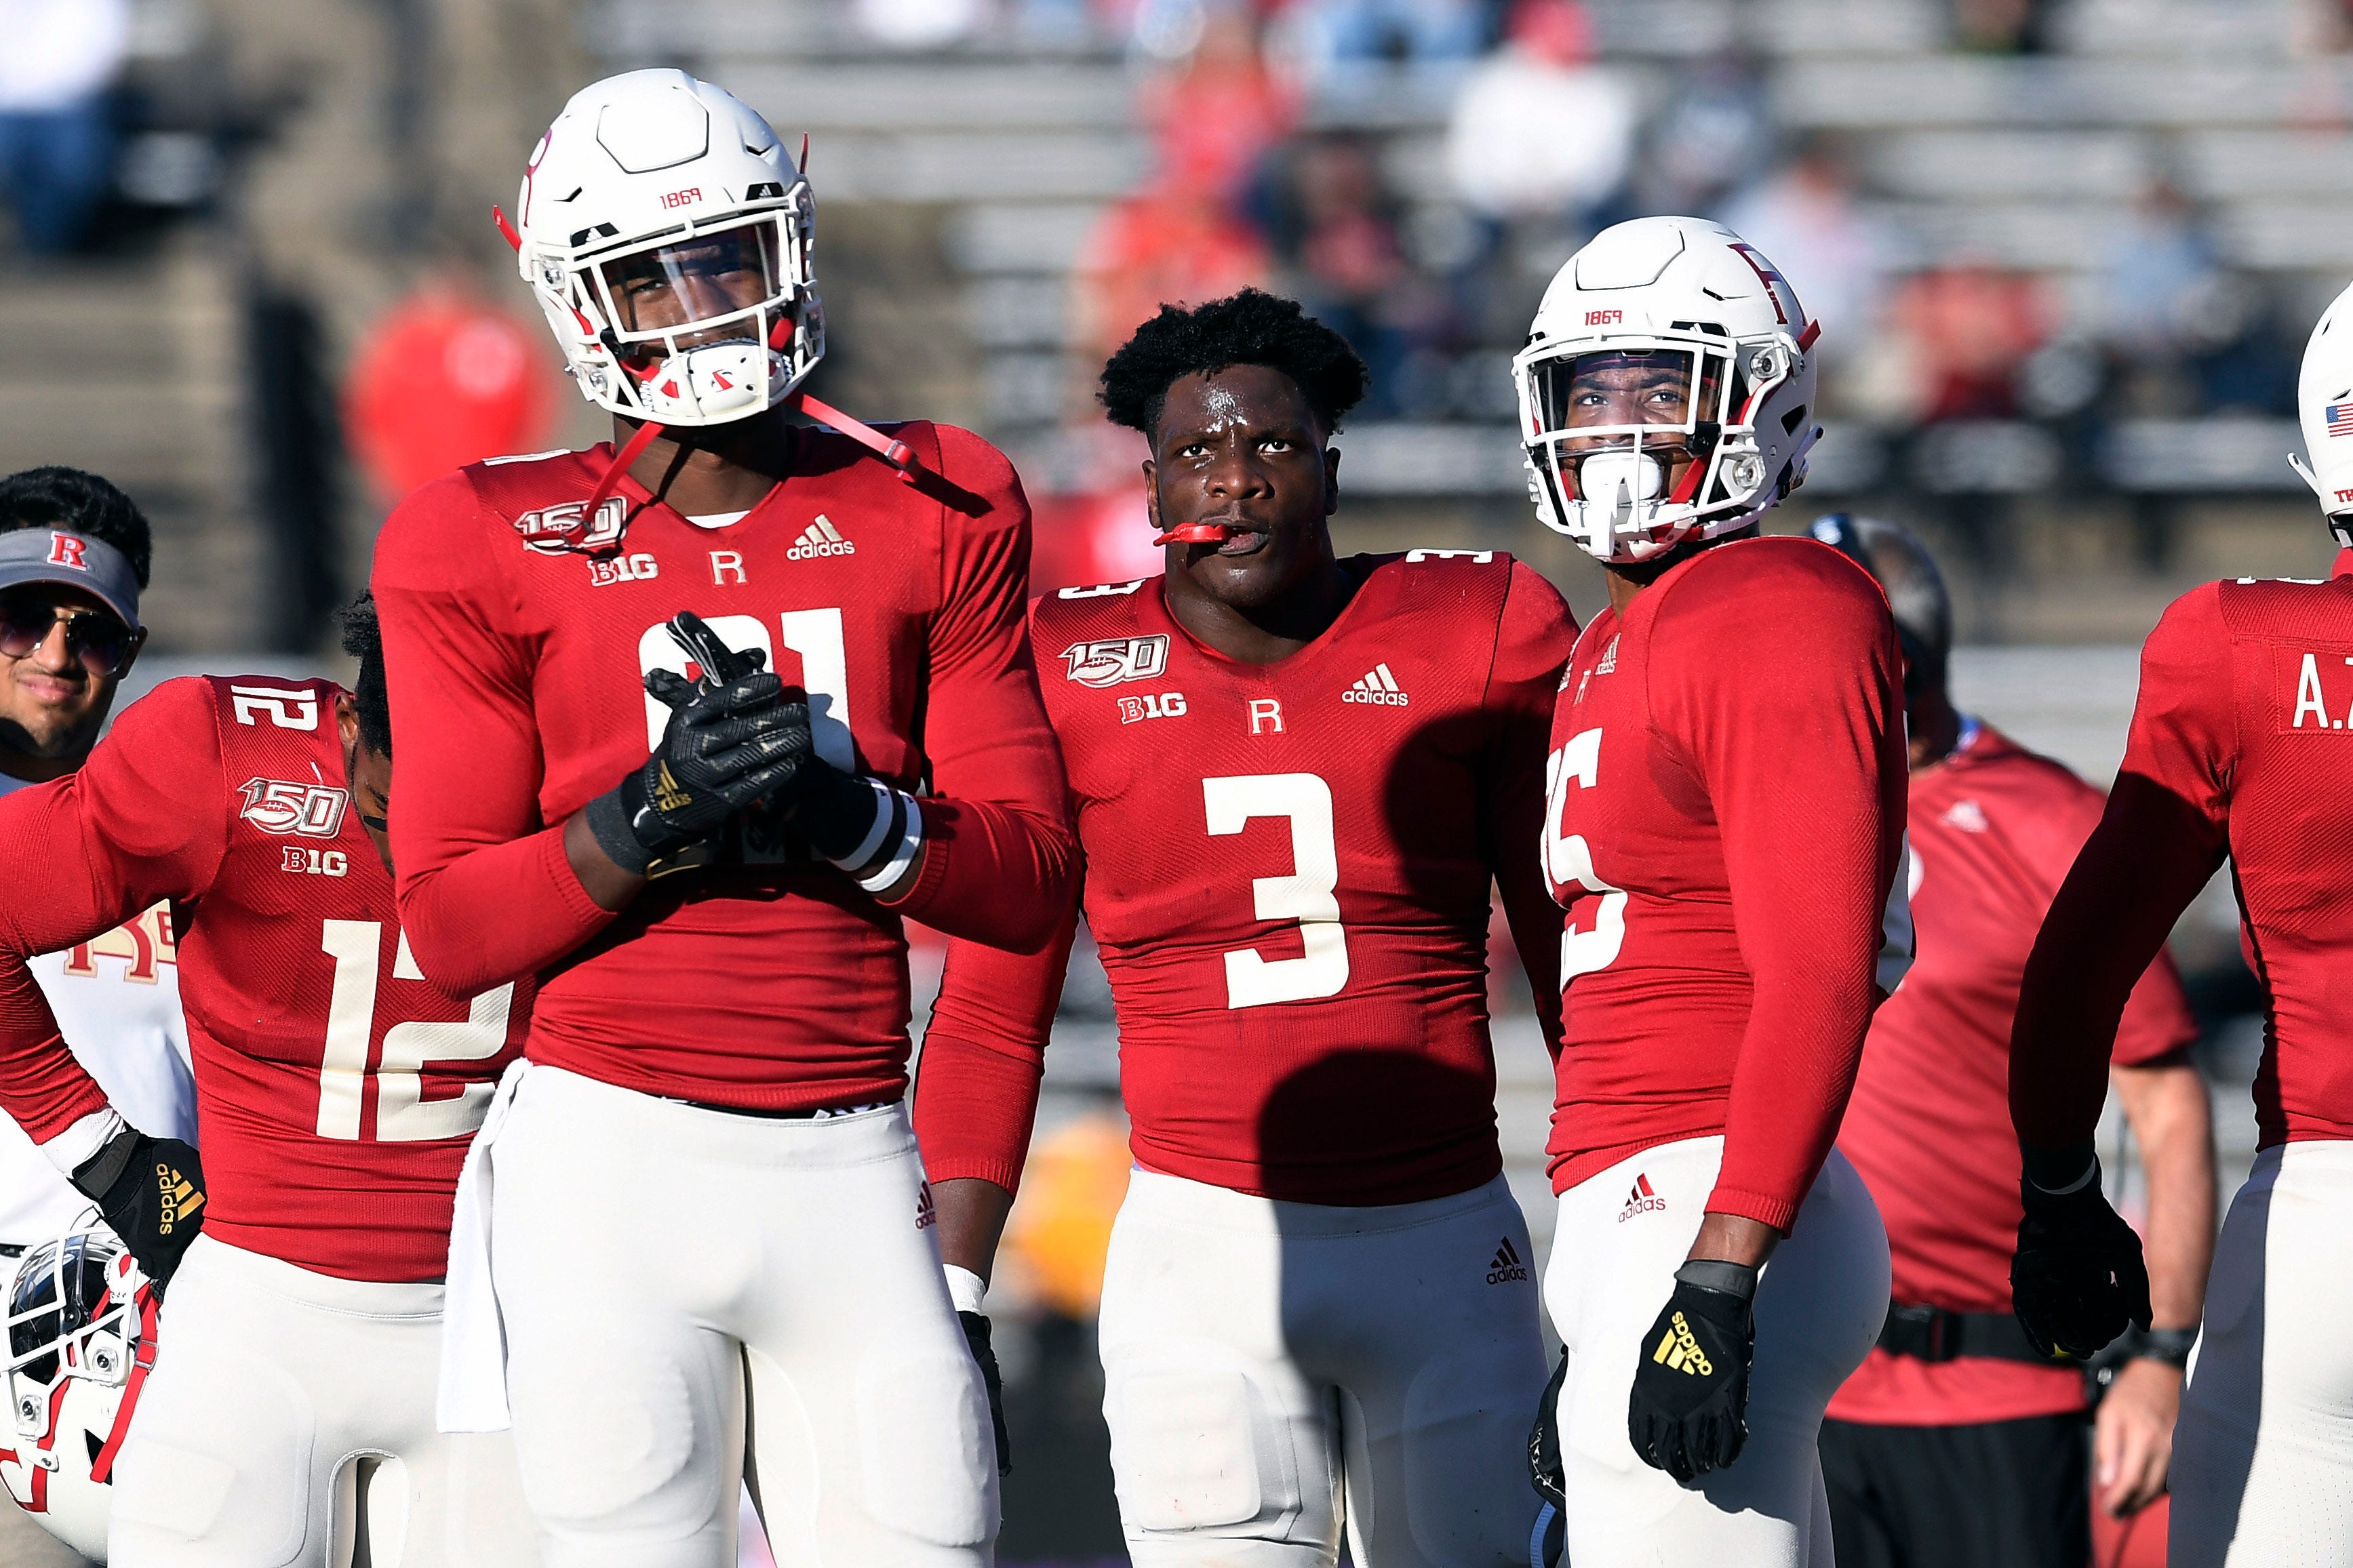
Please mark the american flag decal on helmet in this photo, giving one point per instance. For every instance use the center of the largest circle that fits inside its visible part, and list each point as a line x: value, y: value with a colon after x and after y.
x: 2340, y: 419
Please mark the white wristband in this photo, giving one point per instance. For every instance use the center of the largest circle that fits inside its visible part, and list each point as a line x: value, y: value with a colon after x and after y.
x: 909, y: 843
x: 966, y: 1289
x: 79, y: 1144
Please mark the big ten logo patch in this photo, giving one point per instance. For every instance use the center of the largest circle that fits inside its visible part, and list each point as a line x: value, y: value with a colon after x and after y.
x: 2316, y: 689
x: 1152, y: 705
x: 313, y: 862
x: 286, y: 807
x: 1111, y: 660
x: 636, y: 568
x: 804, y: 647
x: 141, y: 944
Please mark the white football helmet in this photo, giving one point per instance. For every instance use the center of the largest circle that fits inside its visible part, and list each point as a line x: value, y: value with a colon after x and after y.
x: 2324, y: 404
x: 81, y: 1338
x: 1666, y: 389
x: 666, y: 233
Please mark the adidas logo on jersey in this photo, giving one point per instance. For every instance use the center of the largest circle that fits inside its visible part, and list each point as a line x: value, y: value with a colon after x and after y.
x: 1642, y: 1200
x: 1968, y: 816
x: 1380, y: 686
x: 1678, y: 1351
x: 927, y: 1212
x: 1609, y: 664
x: 818, y: 539
x: 1505, y: 1265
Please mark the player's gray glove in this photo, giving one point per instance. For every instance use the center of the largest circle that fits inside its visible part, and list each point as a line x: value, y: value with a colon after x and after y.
x: 1688, y: 1413
x: 975, y: 1334
x: 152, y: 1192
x: 732, y: 740
x: 2077, y: 1277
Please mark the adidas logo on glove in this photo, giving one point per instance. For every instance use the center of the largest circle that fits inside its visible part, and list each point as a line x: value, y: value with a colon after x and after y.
x: 820, y: 538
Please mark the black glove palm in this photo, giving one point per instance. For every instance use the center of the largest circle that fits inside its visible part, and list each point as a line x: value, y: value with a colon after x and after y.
x: 152, y: 1193
x: 2077, y: 1277
x: 732, y: 740
x: 975, y: 1334
x: 1688, y: 1413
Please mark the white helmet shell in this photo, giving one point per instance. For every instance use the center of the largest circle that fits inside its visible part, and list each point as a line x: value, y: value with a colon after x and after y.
x: 2324, y: 405
x: 73, y: 1378
x: 1710, y: 322
x: 666, y: 233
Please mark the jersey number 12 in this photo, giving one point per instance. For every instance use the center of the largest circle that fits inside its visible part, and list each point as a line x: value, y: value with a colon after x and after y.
x: 403, y: 1114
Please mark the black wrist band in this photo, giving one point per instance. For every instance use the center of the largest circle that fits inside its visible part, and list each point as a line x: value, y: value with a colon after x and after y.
x: 1714, y: 1274
x: 2171, y: 1346
x: 609, y: 823
x: 94, y: 1176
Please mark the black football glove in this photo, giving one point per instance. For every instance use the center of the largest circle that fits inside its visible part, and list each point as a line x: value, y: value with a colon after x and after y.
x: 975, y: 1334
x: 152, y: 1192
x: 1688, y: 1414
x: 2077, y: 1277
x: 1545, y: 1472
x: 732, y: 740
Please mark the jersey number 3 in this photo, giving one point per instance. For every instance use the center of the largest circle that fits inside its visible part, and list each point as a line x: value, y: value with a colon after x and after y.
x: 403, y: 1114
x: 1307, y: 895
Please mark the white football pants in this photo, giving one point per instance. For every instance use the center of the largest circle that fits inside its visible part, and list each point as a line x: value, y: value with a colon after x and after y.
x: 1271, y: 1369
x: 2263, y: 1458
x: 652, y: 1259
x: 1819, y: 1308
x: 289, y: 1413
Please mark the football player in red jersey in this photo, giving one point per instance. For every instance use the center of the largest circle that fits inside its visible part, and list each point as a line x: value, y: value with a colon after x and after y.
x: 703, y: 1200
x: 2241, y: 748
x: 337, y: 1090
x: 1957, y: 1443
x: 1724, y: 823
x: 1296, y: 778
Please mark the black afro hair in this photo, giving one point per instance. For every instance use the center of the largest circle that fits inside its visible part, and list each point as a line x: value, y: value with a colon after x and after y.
x: 57, y: 496
x: 1249, y: 328
x: 363, y: 641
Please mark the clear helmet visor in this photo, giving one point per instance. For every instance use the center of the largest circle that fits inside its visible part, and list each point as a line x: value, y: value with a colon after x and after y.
x: 699, y: 290
x: 1619, y: 425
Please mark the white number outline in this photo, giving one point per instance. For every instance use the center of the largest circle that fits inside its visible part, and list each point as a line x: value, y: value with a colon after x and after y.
x: 1308, y: 895
x: 403, y: 1114
x: 1568, y: 861
x: 815, y: 634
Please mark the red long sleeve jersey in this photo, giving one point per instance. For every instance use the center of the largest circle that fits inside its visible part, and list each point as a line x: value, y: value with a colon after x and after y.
x: 1287, y: 875
x: 1727, y: 814
x: 516, y: 669
x: 2242, y: 745
x: 336, y: 1089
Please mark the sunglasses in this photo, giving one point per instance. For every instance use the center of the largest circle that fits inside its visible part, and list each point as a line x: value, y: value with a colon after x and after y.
x: 103, y: 643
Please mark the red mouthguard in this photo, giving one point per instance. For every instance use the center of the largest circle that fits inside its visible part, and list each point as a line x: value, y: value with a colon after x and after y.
x: 1196, y: 533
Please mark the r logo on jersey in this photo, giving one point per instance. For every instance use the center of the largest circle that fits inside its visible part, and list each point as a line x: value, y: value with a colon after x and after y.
x: 306, y: 810
x: 1114, y: 660
x: 554, y: 529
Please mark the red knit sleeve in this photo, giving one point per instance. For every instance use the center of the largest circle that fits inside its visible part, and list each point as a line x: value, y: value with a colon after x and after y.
x: 1536, y: 636
x: 1779, y: 672
x: 2163, y: 833
x: 486, y: 894
x: 999, y: 855
x: 144, y: 820
x: 983, y: 1055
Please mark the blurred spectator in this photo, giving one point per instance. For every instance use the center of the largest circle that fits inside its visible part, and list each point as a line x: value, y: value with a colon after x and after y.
x: 1329, y: 36
x: 1170, y: 242
x: 1058, y: 1235
x: 56, y: 139
x: 2187, y: 334
x: 1832, y: 252
x: 1709, y: 140
x: 917, y: 24
x: 1215, y: 116
x: 1967, y: 332
x: 441, y: 380
x: 2001, y: 27
x: 1541, y: 130
x: 1335, y: 224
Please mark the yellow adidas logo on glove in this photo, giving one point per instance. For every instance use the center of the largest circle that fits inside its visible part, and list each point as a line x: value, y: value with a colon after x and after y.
x: 1678, y: 1351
